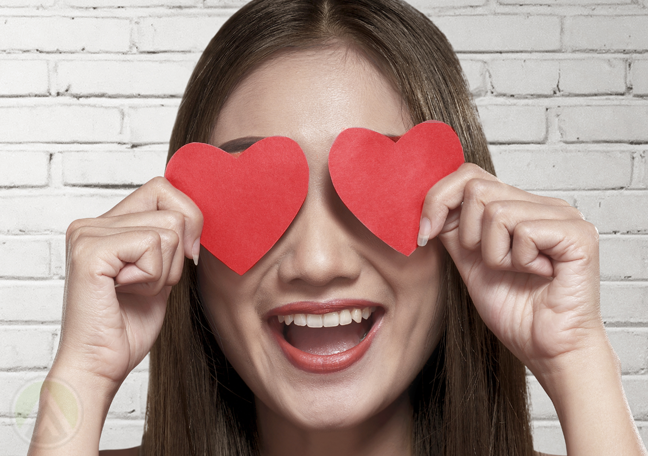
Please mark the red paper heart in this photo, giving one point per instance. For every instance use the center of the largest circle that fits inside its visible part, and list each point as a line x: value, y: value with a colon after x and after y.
x: 384, y: 183
x: 248, y: 201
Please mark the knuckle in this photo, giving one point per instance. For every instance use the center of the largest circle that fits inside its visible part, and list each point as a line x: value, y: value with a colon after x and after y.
x: 560, y: 202
x: 523, y: 230
x: 476, y: 189
x: 82, y: 247
x: 151, y: 239
x: 472, y: 168
x: 495, y: 210
x: 174, y: 220
x: 169, y: 239
x: 158, y: 182
x: 73, y: 228
x: 590, y: 231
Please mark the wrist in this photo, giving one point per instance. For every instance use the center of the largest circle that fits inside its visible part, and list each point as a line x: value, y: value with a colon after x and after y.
x: 71, y: 413
x: 94, y: 390
x: 586, y: 390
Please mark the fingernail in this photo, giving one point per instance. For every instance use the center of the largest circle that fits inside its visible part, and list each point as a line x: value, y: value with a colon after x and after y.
x: 425, y: 228
x: 196, y: 251
x: 117, y: 285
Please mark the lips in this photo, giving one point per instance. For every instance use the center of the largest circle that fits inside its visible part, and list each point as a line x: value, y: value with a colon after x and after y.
x: 320, y: 337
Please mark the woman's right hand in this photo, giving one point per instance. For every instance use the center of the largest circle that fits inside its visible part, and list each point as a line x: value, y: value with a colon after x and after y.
x: 120, y: 269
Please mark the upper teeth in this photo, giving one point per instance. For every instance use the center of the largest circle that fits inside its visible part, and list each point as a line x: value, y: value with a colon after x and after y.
x: 343, y: 317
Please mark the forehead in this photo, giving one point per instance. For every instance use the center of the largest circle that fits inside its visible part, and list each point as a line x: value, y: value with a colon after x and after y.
x: 311, y: 95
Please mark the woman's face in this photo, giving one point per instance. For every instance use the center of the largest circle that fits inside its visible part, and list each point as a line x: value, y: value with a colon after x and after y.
x: 327, y: 261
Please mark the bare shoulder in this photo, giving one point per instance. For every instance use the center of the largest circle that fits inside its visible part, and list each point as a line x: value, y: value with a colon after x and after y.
x: 125, y: 452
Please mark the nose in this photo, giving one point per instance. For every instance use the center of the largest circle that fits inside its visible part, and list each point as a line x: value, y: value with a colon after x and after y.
x: 321, y: 242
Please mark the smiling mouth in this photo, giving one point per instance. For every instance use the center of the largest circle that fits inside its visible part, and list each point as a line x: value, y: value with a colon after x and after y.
x: 320, y: 342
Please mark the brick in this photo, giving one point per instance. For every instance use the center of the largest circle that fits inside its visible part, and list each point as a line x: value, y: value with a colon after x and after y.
x: 624, y: 257
x: 27, y: 3
x: 12, y: 383
x: 143, y: 366
x: 622, y: 123
x: 12, y: 443
x: 119, y: 433
x: 428, y: 4
x: 126, y: 3
x: 82, y: 34
x: 524, y: 77
x: 513, y: 124
x: 548, y: 437
x: 643, y: 432
x: 624, y: 302
x: 25, y: 347
x: 151, y: 124
x: 475, y: 72
x: 565, y: 2
x: 545, y: 169
x: 221, y: 3
x: 592, y: 76
x: 170, y: 33
x: 641, y: 170
x: 46, y: 212
x: 541, y: 406
x: 615, y: 212
x: 639, y: 75
x: 60, y: 124
x: 606, y: 33
x: 127, y: 402
x: 24, y: 77
x: 123, y: 78
x: 57, y: 268
x: 144, y: 391
x: 132, y: 167
x: 24, y: 168
x: 23, y: 300
x: 631, y: 345
x: 636, y: 389
x: 24, y: 257
x: 514, y: 33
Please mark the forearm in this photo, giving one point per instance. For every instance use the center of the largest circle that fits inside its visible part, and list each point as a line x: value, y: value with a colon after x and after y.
x: 72, y: 409
x: 587, y: 393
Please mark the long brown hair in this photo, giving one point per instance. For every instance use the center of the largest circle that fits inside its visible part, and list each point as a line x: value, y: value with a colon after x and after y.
x: 470, y: 398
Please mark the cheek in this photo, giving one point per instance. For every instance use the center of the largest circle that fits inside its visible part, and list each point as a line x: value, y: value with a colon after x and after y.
x: 419, y: 310
x: 221, y: 298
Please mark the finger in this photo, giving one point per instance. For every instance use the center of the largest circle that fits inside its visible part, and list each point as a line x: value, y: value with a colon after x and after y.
x: 170, y: 220
x: 542, y: 247
x: 500, y: 219
x: 482, y: 193
x: 158, y: 194
x: 444, y: 197
x: 139, y: 260
x: 128, y: 278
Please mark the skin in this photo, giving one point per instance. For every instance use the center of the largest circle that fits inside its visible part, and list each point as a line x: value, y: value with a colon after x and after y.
x: 529, y: 262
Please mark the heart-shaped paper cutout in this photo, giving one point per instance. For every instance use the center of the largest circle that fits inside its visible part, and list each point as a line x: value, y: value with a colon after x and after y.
x: 247, y: 200
x: 384, y: 183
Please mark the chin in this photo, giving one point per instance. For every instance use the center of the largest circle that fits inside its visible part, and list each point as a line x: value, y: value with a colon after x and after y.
x: 332, y: 407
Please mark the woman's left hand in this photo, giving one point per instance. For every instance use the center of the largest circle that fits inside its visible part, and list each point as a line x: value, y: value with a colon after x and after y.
x: 530, y: 263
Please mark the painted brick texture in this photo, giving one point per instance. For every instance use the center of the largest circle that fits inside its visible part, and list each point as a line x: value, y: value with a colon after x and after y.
x: 88, y: 95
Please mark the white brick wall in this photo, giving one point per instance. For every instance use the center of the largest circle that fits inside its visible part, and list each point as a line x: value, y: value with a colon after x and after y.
x: 88, y: 94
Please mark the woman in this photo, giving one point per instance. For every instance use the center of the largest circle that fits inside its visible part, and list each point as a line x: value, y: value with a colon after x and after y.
x: 502, y: 278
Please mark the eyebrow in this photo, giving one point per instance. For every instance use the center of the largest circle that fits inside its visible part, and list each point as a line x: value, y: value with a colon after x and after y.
x: 240, y: 144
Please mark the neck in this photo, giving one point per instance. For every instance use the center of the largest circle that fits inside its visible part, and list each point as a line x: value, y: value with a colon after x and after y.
x: 387, y: 433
